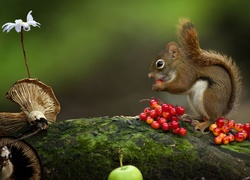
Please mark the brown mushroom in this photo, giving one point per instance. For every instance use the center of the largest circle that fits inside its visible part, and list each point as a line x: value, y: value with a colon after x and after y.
x: 13, y: 123
x: 38, y: 104
x: 18, y: 160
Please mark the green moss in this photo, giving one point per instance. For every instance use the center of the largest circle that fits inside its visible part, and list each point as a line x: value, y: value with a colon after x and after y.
x: 92, y: 146
x: 243, y: 148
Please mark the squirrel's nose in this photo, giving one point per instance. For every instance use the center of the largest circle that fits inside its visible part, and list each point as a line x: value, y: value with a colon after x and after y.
x: 150, y: 75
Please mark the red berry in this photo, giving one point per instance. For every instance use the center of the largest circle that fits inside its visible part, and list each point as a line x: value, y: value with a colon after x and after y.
x: 212, y: 126
x: 147, y: 110
x: 162, y: 120
x: 153, y: 113
x: 155, y: 125
x: 143, y: 116
x: 218, y: 140
x: 225, y: 129
x: 180, y: 110
x: 165, y: 126
x: 176, y: 131
x: 149, y: 120
x: 230, y: 124
x: 159, y: 112
x: 246, y: 127
x: 170, y: 106
x: 216, y: 131
x: 182, y: 131
x: 245, y: 134
x: 158, y: 118
x: 173, y: 118
x: 226, y: 140
x: 157, y: 107
x: 238, y: 127
x: 173, y: 111
x: 153, y: 103
x: 220, y: 122
x: 165, y: 107
x: 222, y: 135
x: 166, y: 114
x: 239, y: 137
x: 231, y: 137
x: 174, y: 124
x: 158, y: 81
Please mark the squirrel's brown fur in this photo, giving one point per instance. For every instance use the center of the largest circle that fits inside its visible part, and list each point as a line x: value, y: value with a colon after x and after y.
x: 189, y: 41
x: 212, y: 81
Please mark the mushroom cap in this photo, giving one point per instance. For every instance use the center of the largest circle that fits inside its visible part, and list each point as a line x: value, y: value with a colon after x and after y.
x: 33, y: 95
x: 13, y: 123
x: 26, y: 161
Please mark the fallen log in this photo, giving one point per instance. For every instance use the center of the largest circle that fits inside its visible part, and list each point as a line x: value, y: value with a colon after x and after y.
x: 88, y: 148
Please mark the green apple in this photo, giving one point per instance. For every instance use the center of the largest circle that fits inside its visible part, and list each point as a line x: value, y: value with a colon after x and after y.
x: 127, y: 172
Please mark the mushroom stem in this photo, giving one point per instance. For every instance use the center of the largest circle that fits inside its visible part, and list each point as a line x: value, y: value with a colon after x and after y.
x: 6, y: 165
x: 24, y: 54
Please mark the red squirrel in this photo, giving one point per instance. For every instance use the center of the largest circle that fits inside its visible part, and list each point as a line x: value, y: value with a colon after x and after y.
x: 211, y: 81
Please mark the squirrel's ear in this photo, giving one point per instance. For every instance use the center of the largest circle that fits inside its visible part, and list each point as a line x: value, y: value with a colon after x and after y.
x: 172, y: 49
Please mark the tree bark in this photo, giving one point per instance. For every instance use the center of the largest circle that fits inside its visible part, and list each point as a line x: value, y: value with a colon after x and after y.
x: 88, y: 148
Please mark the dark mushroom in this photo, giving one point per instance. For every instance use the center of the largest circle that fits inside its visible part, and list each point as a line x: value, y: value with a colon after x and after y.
x: 18, y: 160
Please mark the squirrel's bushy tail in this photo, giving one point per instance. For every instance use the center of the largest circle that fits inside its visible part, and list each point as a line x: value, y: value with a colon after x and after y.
x: 188, y: 38
x: 189, y: 41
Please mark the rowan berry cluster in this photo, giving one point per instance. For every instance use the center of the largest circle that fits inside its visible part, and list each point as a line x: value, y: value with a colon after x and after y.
x: 226, y: 131
x: 164, y: 116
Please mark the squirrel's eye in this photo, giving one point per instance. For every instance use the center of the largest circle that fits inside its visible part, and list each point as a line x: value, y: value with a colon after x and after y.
x: 159, y: 64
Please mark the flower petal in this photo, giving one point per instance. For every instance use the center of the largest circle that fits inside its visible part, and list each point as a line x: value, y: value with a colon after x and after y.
x: 18, y: 28
x: 29, y: 17
x: 8, y: 26
x: 33, y: 23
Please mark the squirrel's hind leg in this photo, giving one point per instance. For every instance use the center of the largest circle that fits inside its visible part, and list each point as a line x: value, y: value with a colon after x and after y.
x: 201, y: 126
x: 195, y: 121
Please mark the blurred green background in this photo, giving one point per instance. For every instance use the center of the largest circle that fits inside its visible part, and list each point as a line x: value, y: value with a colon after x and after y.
x: 96, y: 54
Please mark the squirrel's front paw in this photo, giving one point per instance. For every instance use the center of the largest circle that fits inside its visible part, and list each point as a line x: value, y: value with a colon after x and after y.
x: 157, y: 87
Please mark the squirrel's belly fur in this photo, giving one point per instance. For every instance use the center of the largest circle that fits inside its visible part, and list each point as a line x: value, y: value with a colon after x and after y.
x: 195, y: 97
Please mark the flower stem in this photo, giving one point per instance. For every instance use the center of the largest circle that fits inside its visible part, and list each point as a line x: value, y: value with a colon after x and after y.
x: 24, y: 54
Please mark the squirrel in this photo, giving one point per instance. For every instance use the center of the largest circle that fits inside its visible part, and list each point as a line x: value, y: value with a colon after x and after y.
x: 211, y: 81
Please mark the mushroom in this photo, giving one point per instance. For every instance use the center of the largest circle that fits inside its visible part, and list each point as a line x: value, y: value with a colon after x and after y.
x: 6, y: 167
x: 39, y: 107
x: 18, y: 160
x: 13, y: 123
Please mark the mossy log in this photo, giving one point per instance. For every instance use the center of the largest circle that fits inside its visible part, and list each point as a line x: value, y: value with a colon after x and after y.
x: 88, y: 149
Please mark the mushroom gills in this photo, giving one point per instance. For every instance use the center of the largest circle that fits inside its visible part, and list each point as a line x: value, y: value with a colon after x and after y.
x: 23, y: 158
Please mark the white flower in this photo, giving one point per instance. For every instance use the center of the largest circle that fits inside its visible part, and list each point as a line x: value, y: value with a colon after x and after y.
x: 19, y: 24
